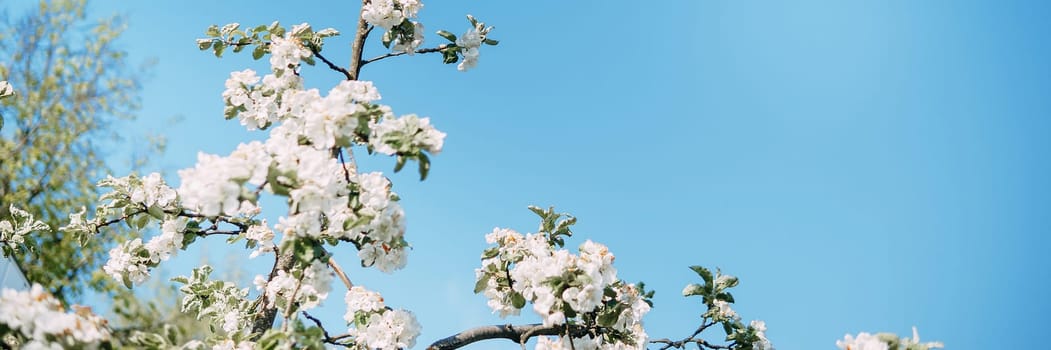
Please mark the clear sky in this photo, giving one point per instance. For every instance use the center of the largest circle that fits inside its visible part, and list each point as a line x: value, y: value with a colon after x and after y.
x: 860, y: 165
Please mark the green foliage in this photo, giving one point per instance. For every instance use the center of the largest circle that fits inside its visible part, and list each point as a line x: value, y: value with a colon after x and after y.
x: 554, y: 225
x: 71, y: 85
x: 218, y: 39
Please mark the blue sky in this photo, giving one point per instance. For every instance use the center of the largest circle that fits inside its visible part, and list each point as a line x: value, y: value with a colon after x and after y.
x: 861, y: 166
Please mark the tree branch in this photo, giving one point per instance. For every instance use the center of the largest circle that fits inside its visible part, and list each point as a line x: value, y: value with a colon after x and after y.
x: 358, y: 46
x: 339, y: 272
x: 668, y: 343
x: 331, y: 65
x: 265, y: 319
x: 328, y: 339
x: 393, y: 54
x: 516, y: 333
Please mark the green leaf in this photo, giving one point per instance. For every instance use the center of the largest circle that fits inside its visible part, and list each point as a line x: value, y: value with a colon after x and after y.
x: 608, y: 319
x: 517, y: 300
x: 258, y: 52
x: 388, y: 37
x: 212, y: 31
x: 447, y: 35
x: 449, y: 55
x: 425, y: 166
x: 400, y: 164
x: 703, y: 272
x: 156, y: 212
x: 141, y: 221
x: 204, y: 44
x: 219, y: 47
x: 126, y: 280
x: 490, y: 253
x: 491, y: 42
x: 693, y: 289
x: 480, y: 285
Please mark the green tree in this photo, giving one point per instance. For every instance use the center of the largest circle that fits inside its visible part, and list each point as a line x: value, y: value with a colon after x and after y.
x: 71, y: 85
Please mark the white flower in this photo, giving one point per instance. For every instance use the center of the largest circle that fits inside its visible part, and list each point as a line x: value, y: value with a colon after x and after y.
x: 208, y: 187
x: 724, y: 312
x: 409, y: 46
x: 408, y: 132
x: 125, y: 260
x: 360, y: 299
x: 393, y: 329
x: 388, y: 13
x: 6, y: 89
x: 285, y: 290
x: 169, y: 241
x: 153, y: 191
x: 286, y: 52
x: 864, y: 341
x: 915, y: 340
x: 42, y: 320
x: 263, y: 236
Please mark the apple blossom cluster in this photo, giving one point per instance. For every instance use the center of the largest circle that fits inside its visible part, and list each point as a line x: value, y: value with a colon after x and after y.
x: 563, y: 287
x: 327, y: 200
x: 6, y: 90
x: 395, y: 17
x: 219, y: 302
x: 215, y: 186
x: 33, y: 319
x: 227, y: 344
x: 388, y: 13
x: 714, y: 292
x: 14, y: 231
x: 470, y: 42
x: 885, y: 341
x: 299, y: 289
x: 374, y: 326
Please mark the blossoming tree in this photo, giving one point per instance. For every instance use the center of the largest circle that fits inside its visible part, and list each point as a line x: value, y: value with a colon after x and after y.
x: 308, y: 159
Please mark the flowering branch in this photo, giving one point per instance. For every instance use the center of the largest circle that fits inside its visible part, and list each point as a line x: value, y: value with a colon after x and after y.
x: 691, y: 339
x: 515, y: 333
x: 392, y: 54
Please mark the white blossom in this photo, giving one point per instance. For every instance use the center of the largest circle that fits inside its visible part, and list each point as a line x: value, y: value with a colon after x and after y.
x: 390, y: 330
x: 166, y: 244
x: 127, y: 261
x: 407, y: 45
x: 263, y: 237
x: 388, y: 13
x: 153, y: 191
x: 361, y: 300
x: 864, y: 341
x: 915, y: 341
x: 6, y: 89
x: 45, y: 324
x: 407, y: 133
x: 214, y: 186
x: 285, y: 290
x: 286, y: 52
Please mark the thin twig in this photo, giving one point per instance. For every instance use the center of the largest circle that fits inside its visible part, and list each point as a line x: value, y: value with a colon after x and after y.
x: 668, y: 343
x: 331, y: 65
x: 328, y: 339
x: 339, y: 272
x: 516, y: 333
x: 393, y: 54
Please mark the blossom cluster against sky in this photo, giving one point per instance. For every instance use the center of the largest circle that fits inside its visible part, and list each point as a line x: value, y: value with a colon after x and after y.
x: 861, y: 166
